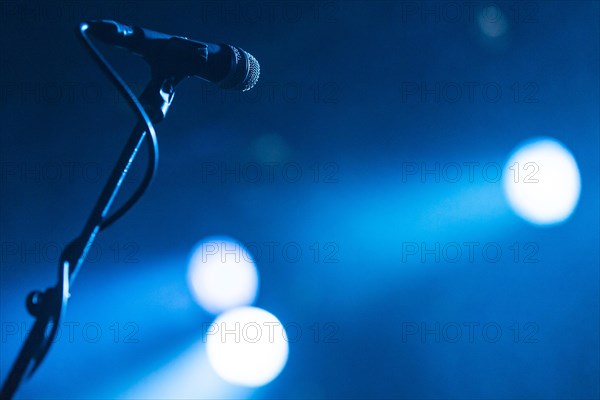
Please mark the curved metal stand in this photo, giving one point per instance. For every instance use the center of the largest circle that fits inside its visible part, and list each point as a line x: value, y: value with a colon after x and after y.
x: 47, y: 307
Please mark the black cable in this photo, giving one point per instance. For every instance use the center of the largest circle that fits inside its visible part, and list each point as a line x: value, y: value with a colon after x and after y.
x: 143, y: 119
x: 48, y: 306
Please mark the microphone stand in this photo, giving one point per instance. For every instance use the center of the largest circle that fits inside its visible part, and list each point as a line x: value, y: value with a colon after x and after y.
x: 47, y: 307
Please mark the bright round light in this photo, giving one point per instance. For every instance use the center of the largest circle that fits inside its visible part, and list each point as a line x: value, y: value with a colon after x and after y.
x: 247, y: 346
x: 542, y: 182
x: 222, y: 275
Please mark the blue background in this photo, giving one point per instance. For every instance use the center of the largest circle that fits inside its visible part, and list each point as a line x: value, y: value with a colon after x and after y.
x: 332, y: 93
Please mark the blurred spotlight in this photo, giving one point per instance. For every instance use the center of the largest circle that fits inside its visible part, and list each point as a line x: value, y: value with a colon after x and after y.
x: 188, y: 376
x: 222, y: 275
x: 542, y: 182
x: 492, y: 22
x: 247, y: 346
x: 271, y: 147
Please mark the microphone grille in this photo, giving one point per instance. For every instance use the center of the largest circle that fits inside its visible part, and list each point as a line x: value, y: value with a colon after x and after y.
x: 253, y: 72
x: 245, y: 72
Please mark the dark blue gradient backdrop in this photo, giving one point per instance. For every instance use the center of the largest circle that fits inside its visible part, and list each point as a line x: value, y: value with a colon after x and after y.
x: 339, y: 173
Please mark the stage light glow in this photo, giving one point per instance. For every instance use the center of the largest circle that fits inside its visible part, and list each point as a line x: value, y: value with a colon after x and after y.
x: 542, y: 182
x: 271, y: 148
x: 188, y: 376
x: 222, y: 275
x: 492, y: 21
x: 247, y: 346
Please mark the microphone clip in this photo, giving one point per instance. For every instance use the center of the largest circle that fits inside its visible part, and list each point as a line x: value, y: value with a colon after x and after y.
x: 158, y: 95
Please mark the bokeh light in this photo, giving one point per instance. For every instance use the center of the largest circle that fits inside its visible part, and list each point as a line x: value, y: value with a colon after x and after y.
x: 247, y: 346
x: 492, y: 22
x: 271, y: 148
x: 542, y: 182
x: 222, y: 275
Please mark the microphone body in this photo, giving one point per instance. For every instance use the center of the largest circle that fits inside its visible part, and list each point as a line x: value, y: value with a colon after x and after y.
x: 227, y: 66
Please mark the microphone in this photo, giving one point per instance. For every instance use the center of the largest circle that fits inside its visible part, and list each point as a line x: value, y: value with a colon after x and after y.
x: 227, y: 66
